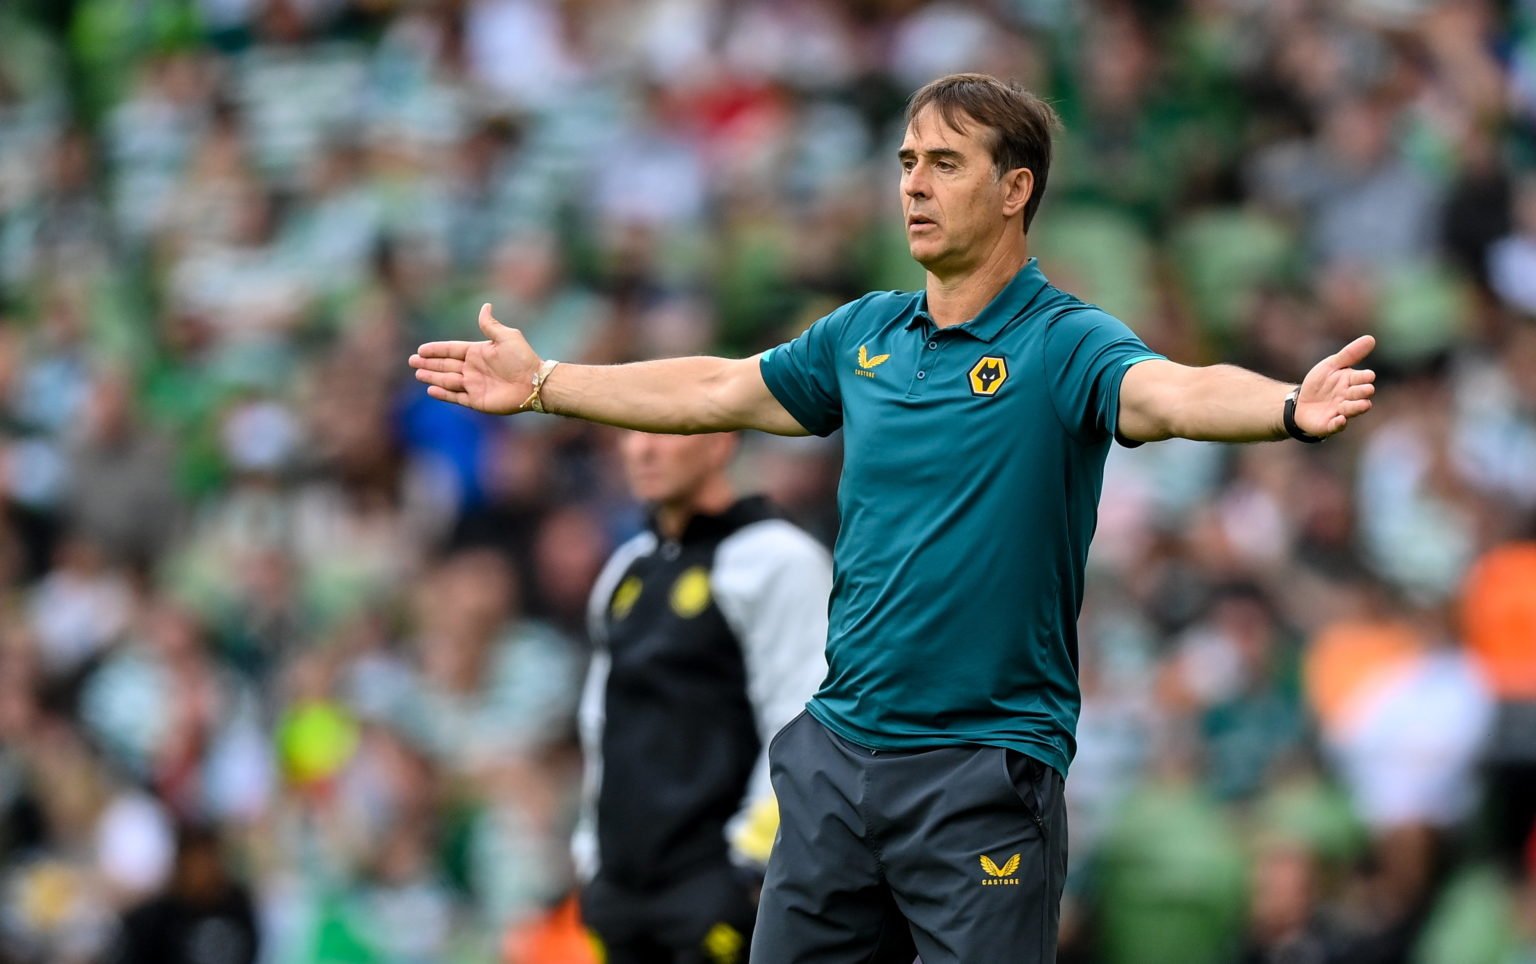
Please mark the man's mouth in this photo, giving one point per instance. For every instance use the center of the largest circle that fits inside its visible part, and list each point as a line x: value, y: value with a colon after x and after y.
x: 918, y: 220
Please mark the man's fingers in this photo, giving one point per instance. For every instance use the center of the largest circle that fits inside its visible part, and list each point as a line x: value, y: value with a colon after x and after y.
x: 437, y: 364
x: 443, y: 349
x: 492, y: 329
x: 444, y: 395
x: 1362, y: 376
x: 1360, y: 391
x: 451, y: 381
x: 1354, y: 352
x: 1350, y: 409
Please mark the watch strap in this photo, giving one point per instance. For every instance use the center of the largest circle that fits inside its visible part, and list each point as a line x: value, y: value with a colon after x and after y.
x: 1289, y: 418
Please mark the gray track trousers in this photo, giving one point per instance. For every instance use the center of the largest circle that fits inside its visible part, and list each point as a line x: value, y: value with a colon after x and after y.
x: 956, y: 853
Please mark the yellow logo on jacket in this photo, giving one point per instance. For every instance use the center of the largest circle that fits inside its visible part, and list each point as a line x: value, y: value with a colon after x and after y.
x: 868, y: 364
x: 1000, y: 876
x: 690, y: 594
x: 988, y: 375
x: 724, y: 944
x: 625, y: 596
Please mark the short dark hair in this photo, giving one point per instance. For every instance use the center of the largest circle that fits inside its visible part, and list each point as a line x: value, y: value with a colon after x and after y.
x: 1021, y: 123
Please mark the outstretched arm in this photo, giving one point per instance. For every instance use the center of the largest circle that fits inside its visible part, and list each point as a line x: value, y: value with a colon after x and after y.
x: 1223, y: 403
x: 678, y: 396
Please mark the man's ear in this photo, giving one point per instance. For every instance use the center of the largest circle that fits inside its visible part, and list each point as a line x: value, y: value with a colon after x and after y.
x: 1018, y: 187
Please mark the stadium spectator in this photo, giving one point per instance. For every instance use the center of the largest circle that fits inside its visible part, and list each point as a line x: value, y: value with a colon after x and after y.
x: 204, y: 914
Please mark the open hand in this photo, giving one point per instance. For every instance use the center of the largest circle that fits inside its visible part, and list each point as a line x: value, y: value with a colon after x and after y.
x: 1334, y: 391
x: 494, y: 376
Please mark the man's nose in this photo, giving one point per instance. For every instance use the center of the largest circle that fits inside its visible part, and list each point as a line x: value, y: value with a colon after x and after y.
x: 914, y: 185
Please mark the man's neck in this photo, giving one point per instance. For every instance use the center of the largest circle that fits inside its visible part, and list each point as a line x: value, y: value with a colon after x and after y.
x: 956, y: 298
x: 672, y: 517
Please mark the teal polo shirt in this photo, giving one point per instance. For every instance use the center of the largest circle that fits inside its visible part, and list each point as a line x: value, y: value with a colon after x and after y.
x: 973, y: 462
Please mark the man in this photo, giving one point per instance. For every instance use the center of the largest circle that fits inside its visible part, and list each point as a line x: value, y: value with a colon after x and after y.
x: 204, y: 912
x: 921, y: 798
x: 709, y: 630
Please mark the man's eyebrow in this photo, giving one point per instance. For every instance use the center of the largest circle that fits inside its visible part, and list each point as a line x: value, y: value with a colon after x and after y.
x: 937, y: 153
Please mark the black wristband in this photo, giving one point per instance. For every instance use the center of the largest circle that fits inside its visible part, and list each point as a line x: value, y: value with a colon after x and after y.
x: 1291, y: 428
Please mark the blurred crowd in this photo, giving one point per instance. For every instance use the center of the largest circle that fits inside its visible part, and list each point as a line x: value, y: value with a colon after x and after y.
x: 289, y: 653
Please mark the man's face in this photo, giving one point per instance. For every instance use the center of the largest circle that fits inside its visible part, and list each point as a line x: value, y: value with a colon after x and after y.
x: 671, y: 468
x: 955, y: 204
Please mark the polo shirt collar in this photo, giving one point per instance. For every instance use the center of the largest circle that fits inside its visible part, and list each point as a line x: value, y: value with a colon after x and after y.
x: 1003, y: 308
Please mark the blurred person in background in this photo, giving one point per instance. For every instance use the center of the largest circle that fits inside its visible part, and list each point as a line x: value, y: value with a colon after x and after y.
x: 120, y: 493
x: 492, y: 682
x: 709, y: 629
x: 205, y: 914
x: 166, y: 709
x: 1498, y: 618
x: 1285, y: 924
x: 490, y: 701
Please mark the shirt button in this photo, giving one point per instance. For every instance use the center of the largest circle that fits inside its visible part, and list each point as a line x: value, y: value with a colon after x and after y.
x: 921, y: 375
x: 932, y: 345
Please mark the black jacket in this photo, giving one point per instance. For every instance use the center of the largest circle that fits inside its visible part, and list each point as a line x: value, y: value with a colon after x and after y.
x: 704, y: 648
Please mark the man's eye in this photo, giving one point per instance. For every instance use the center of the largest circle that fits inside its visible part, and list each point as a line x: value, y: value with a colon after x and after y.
x: 907, y: 165
x: 945, y: 166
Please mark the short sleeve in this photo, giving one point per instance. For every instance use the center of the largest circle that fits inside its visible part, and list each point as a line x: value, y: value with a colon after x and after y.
x: 1087, y: 353
x: 802, y: 374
